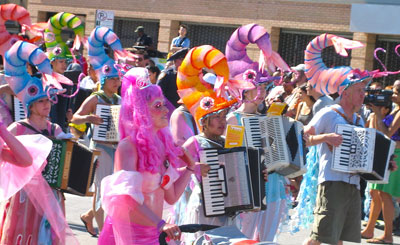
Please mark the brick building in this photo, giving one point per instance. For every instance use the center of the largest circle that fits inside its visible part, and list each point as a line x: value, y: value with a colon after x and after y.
x: 291, y: 23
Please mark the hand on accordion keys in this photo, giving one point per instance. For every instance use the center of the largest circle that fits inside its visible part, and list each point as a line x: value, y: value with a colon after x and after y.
x: 191, y: 164
x: 94, y: 119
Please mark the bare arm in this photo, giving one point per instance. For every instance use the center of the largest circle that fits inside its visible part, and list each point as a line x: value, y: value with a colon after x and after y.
x: 298, y: 111
x: 15, y: 152
x: 173, y: 194
x: 85, y: 113
x: 378, y: 123
x: 179, y: 129
x: 311, y: 138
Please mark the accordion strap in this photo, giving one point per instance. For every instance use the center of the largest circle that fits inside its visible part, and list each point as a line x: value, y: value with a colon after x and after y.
x: 344, y: 117
x: 107, y: 99
x: 27, y: 125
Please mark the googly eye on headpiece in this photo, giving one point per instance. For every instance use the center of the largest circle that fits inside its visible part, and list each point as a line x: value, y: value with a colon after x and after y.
x: 52, y: 36
x: 200, y: 99
x: 29, y: 89
x: 101, y: 62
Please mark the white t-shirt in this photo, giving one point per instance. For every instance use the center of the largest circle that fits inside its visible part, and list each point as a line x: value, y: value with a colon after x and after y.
x: 87, y: 83
x: 323, y: 101
x: 325, y: 121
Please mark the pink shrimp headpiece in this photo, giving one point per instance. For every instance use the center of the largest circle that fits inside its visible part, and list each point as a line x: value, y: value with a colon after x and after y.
x: 334, y: 80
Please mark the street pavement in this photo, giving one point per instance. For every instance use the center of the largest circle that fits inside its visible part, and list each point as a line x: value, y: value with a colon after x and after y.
x: 76, y: 205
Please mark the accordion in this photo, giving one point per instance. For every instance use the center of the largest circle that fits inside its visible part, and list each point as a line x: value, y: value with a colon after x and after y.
x: 108, y: 130
x: 364, y: 151
x: 281, y: 140
x: 70, y: 167
x: 18, y: 110
x: 228, y: 186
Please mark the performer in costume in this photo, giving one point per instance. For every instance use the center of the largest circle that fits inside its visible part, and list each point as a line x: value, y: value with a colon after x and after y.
x: 59, y: 54
x: 29, y: 211
x: 21, y: 15
x: 209, y: 112
x: 145, y: 167
x: 263, y: 225
x: 382, y: 194
x: 336, y: 217
x: 109, y: 84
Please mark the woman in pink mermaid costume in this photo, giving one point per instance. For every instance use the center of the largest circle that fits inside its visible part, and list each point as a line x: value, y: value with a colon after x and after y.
x: 145, y: 171
x: 32, y: 215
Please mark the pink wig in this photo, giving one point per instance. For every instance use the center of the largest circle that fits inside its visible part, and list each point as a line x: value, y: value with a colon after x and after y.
x: 135, y: 121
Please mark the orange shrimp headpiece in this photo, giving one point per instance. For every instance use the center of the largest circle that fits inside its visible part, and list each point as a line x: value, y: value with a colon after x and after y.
x: 198, y: 96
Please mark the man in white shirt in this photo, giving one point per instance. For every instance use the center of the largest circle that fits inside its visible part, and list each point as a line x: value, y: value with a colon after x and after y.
x: 337, y: 215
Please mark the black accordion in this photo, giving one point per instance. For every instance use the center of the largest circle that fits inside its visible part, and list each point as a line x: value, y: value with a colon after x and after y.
x: 281, y: 140
x: 70, y: 167
x: 364, y: 151
x: 232, y: 184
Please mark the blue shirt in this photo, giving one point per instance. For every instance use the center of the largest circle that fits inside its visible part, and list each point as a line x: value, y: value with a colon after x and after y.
x: 177, y: 40
x: 325, y: 121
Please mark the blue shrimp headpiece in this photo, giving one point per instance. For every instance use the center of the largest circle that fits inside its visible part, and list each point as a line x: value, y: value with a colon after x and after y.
x: 101, y: 62
x: 28, y: 89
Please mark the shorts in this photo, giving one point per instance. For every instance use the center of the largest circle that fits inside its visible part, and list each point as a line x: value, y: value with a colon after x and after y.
x: 337, y: 214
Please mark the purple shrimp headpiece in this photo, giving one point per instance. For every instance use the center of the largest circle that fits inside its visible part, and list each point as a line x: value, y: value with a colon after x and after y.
x: 241, y: 67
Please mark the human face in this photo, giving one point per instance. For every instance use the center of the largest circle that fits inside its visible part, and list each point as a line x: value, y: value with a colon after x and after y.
x: 111, y: 85
x: 59, y: 65
x: 355, y: 95
x: 152, y: 76
x: 182, y: 31
x: 309, y: 89
x: 215, y: 124
x: 256, y: 95
x: 158, y: 113
x: 396, y: 95
x: 139, y: 60
x: 41, y: 107
x: 302, y: 94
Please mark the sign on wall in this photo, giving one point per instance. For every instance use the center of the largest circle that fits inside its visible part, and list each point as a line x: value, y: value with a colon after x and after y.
x: 375, y: 18
x: 105, y: 18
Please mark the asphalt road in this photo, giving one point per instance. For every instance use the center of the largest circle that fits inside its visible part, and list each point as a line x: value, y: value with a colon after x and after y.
x: 76, y: 205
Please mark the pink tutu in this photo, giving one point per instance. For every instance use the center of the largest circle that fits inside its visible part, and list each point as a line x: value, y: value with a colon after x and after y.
x: 41, y: 200
x: 140, y: 234
x: 12, y: 177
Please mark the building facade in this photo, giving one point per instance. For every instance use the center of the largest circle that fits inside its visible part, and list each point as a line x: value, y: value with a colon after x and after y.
x: 291, y: 24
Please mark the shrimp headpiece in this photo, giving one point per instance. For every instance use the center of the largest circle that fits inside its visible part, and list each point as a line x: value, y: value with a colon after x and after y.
x: 11, y: 12
x: 101, y: 62
x: 241, y: 67
x: 56, y: 47
x: 334, y: 80
x: 27, y: 88
x: 198, y: 96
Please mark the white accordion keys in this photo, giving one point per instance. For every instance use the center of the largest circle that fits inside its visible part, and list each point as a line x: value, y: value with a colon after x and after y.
x: 108, y: 130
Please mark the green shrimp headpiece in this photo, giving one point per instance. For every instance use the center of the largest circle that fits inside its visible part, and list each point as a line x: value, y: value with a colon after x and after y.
x: 56, y: 47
